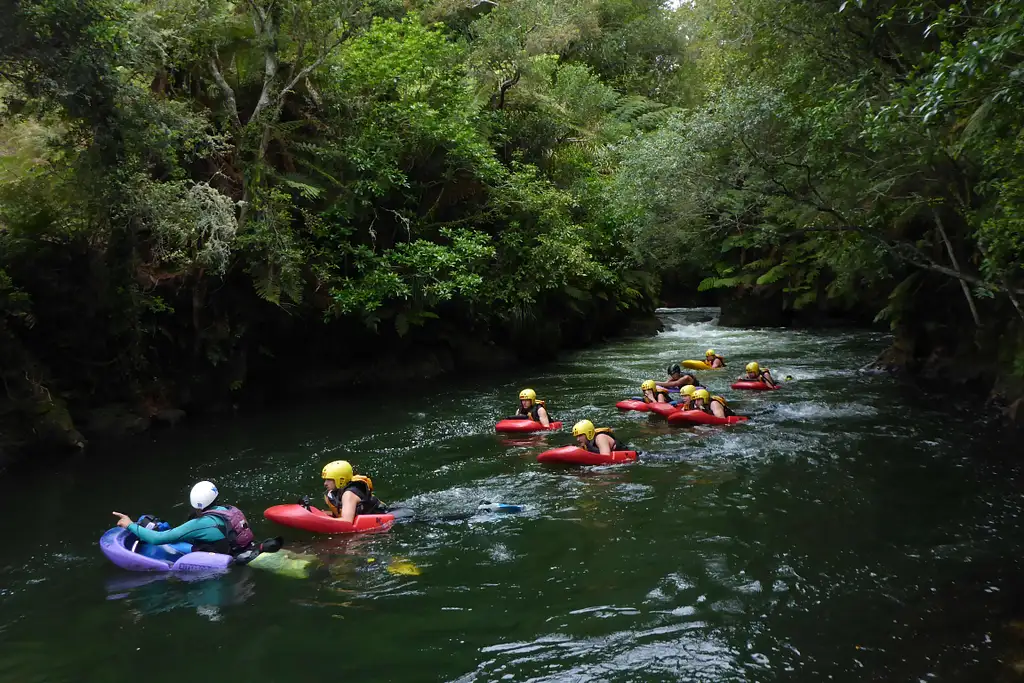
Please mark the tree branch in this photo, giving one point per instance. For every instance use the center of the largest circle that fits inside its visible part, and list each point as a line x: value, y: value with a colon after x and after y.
x: 226, y: 90
x: 316, y: 63
x: 952, y: 259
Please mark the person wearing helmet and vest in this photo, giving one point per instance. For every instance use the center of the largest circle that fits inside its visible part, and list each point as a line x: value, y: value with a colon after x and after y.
x: 712, y: 405
x: 348, y: 495
x: 653, y: 393
x: 597, y: 440
x: 713, y: 359
x: 677, y: 378
x: 530, y: 407
x: 685, y: 401
x: 211, y: 528
x: 755, y: 373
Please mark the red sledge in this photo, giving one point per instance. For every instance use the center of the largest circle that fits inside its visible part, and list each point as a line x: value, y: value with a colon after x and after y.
x: 754, y: 385
x: 314, y: 519
x: 663, y: 409
x: 633, y: 404
x: 523, y: 426
x: 574, y: 455
x: 699, y: 417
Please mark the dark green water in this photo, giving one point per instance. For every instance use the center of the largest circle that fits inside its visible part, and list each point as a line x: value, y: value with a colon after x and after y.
x: 843, y: 534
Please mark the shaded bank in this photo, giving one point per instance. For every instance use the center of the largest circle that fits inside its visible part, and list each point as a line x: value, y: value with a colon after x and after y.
x: 299, y: 362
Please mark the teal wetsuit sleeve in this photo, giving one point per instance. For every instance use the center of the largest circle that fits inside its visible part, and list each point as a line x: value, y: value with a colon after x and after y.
x: 202, y: 529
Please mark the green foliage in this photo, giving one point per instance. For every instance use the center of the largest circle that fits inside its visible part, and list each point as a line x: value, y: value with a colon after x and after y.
x: 176, y: 175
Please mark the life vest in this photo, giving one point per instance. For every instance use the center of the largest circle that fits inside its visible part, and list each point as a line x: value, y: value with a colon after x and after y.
x: 237, y: 533
x: 533, y: 412
x: 617, y: 446
x: 725, y: 404
x: 361, y: 486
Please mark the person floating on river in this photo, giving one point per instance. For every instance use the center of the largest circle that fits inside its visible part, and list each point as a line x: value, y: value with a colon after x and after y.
x: 348, y: 494
x: 211, y: 528
x: 653, y: 393
x: 713, y: 359
x: 530, y: 407
x: 596, y: 439
x: 755, y: 373
x: 712, y: 405
x: 677, y: 378
x: 685, y: 401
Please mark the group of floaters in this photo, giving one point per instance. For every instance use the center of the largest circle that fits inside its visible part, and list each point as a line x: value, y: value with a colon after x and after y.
x: 695, y: 405
x: 217, y: 536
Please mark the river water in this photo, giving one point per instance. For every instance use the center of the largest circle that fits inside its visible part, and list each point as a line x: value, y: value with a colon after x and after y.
x: 850, y: 531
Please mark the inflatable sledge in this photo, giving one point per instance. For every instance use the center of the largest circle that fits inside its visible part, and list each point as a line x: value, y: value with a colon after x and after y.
x: 753, y: 385
x: 633, y: 404
x: 574, y: 455
x: 524, y: 425
x: 126, y: 551
x: 701, y: 418
x: 316, y: 520
x: 663, y: 409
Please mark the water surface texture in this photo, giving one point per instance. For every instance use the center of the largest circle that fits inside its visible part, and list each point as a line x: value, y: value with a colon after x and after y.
x: 849, y: 531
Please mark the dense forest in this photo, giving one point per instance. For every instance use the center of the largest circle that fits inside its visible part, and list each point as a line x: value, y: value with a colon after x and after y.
x: 206, y: 200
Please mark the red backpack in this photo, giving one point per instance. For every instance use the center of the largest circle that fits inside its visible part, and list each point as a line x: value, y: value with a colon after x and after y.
x: 239, y: 535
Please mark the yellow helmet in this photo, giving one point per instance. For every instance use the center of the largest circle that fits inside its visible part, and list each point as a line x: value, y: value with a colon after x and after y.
x: 702, y: 394
x: 340, y: 471
x: 752, y: 366
x: 584, y: 427
x: 648, y: 385
x: 688, y: 390
x: 527, y: 395
x: 710, y: 352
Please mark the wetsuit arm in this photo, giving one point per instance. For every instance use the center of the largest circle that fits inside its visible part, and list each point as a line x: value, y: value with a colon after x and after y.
x: 349, y: 501
x: 542, y: 413
x: 769, y: 380
x: 605, y: 444
x: 193, y: 530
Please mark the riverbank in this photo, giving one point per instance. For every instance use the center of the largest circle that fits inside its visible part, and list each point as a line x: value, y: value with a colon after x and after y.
x: 36, y: 421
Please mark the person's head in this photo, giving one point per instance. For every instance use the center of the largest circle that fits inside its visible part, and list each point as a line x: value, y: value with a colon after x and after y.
x: 648, y: 388
x: 203, y: 495
x: 336, y: 474
x: 674, y: 371
x: 584, y: 431
x: 753, y: 369
x: 527, y: 397
x: 701, y: 397
x: 710, y: 354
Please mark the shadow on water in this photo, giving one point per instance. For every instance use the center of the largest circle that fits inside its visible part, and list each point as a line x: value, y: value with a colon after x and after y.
x: 846, y: 532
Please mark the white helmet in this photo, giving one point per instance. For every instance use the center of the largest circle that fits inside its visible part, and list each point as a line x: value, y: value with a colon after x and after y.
x: 203, y: 494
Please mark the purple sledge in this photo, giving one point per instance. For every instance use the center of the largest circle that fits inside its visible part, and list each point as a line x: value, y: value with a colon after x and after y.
x: 128, y: 552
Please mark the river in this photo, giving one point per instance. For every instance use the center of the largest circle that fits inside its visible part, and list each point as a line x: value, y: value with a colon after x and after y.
x: 851, y: 531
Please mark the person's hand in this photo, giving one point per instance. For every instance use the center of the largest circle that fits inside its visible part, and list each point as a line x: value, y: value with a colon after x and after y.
x: 123, y: 520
